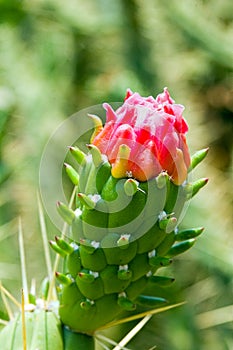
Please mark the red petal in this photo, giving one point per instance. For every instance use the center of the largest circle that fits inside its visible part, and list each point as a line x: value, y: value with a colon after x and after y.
x: 110, y: 113
x: 128, y: 94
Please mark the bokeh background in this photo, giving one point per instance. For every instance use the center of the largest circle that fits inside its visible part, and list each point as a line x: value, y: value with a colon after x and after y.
x: 58, y: 57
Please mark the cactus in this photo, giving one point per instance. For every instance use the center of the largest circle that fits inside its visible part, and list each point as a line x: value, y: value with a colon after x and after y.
x: 43, y: 331
x: 35, y: 324
x: 132, y: 187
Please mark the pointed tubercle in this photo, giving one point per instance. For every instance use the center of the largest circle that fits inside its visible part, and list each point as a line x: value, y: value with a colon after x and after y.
x: 57, y: 249
x: 130, y: 187
x: 64, y: 245
x: 78, y: 155
x: 96, y: 155
x: 162, y: 179
x: 168, y: 224
x: 193, y: 188
x: 65, y: 212
x: 63, y: 279
x: 72, y: 173
x: 198, y: 158
x: 180, y: 247
x: 189, y: 233
x: 86, y: 201
x: 86, y: 277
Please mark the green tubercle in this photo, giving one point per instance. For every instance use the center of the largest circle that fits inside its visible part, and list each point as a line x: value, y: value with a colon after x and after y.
x: 96, y: 155
x: 65, y: 212
x: 193, y: 188
x: 198, y: 158
x: 66, y: 247
x: 130, y: 187
x: 72, y: 173
x: 180, y: 247
x: 188, y: 233
x: 64, y: 279
x: 57, y: 249
x: 78, y: 155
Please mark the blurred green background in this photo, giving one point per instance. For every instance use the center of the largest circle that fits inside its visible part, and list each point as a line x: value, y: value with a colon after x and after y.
x: 59, y: 57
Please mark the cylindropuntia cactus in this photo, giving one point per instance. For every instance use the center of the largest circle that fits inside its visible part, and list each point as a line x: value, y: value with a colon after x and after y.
x: 131, y: 189
x: 132, y: 186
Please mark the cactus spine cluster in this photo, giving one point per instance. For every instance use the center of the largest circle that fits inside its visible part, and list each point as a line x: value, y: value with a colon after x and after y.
x: 121, y: 232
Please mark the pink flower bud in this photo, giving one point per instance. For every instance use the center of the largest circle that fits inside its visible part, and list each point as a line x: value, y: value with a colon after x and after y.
x: 153, y: 131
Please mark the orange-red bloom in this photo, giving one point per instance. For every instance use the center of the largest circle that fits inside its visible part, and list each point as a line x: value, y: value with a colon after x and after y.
x: 144, y: 137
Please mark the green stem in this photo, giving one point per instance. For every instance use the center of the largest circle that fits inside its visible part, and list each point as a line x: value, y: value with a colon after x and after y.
x: 77, y: 341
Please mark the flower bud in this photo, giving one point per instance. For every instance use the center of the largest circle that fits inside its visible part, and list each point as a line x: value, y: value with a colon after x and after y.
x: 144, y: 137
